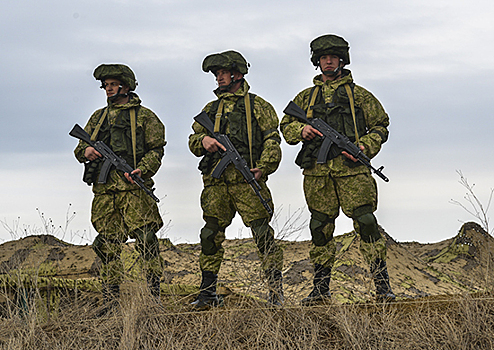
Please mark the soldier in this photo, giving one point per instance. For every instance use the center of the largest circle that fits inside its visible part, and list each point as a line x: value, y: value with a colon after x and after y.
x: 341, y: 182
x: 120, y: 209
x: 252, y: 125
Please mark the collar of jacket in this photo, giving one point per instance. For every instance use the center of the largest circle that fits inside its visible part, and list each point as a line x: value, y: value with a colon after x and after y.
x: 345, y: 79
x: 134, y: 101
x: 242, y: 91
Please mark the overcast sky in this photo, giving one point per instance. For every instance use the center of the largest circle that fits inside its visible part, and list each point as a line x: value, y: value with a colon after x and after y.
x: 429, y: 62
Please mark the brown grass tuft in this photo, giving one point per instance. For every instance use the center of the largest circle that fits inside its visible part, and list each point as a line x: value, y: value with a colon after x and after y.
x: 456, y: 322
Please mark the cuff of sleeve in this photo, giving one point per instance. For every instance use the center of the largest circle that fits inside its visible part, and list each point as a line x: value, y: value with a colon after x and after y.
x: 299, y: 129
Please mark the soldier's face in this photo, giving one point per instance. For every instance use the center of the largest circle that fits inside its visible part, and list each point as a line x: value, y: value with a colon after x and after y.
x: 329, y: 63
x: 223, y: 77
x: 112, y: 85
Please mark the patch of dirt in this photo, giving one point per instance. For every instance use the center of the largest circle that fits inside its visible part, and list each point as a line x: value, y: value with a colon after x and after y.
x: 453, y: 266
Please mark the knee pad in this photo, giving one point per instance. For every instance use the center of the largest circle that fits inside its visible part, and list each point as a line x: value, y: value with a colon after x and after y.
x: 263, y: 234
x: 148, y: 244
x: 367, y: 225
x: 208, y: 233
x: 106, y: 249
x: 318, y: 221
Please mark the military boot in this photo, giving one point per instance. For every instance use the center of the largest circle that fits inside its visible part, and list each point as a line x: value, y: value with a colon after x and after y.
x: 207, y: 295
x: 275, y: 286
x: 111, y: 293
x: 381, y: 281
x: 320, y: 293
x: 154, y: 286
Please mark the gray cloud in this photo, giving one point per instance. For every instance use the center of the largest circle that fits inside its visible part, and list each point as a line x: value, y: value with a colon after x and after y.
x: 429, y: 63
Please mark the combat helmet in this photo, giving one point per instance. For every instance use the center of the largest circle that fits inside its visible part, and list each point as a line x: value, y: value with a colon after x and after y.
x: 116, y: 71
x: 229, y: 60
x: 329, y: 44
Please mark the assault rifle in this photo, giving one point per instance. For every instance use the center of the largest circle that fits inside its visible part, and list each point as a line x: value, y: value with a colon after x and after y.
x: 110, y: 158
x: 231, y: 155
x: 330, y: 137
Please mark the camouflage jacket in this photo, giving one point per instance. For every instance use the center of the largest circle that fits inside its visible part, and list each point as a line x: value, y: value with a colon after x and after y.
x: 154, y: 141
x: 376, y: 121
x: 268, y: 122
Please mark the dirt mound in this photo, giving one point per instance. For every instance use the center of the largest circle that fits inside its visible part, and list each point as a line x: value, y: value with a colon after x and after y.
x: 457, y: 265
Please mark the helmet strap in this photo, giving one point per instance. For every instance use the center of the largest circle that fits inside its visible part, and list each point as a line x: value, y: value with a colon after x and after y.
x: 333, y: 73
x: 117, y: 95
x: 232, y: 83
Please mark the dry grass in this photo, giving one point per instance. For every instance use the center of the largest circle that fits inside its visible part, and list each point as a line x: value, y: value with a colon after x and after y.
x: 457, y: 322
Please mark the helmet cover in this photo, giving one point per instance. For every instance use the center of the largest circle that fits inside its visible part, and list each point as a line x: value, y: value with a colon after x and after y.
x: 329, y: 44
x: 229, y: 60
x: 116, y: 71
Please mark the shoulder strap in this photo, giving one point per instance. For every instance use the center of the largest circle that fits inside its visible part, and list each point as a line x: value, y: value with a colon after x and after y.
x: 315, y: 91
x: 352, y: 108
x: 248, y: 114
x: 94, y: 136
x: 133, y: 127
x: 219, y: 112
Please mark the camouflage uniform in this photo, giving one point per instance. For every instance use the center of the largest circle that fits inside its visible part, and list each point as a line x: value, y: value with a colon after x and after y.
x: 340, y: 183
x: 222, y: 198
x: 121, y: 209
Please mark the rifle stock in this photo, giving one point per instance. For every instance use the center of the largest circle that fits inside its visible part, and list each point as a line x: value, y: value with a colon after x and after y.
x: 295, y: 111
x: 81, y: 134
x: 203, y: 119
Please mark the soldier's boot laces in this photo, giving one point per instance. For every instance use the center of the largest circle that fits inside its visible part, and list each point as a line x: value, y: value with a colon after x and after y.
x: 207, y: 295
x: 320, y: 293
x: 381, y: 281
x: 275, y: 286
x: 111, y: 294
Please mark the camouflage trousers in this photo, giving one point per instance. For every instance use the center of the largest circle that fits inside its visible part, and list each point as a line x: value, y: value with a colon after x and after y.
x: 356, y: 196
x: 118, y: 216
x: 220, y: 202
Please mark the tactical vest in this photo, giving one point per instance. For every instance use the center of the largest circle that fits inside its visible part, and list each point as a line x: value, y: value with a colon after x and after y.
x: 236, y: 121
x: 119, y: 138
x: 336, y: 114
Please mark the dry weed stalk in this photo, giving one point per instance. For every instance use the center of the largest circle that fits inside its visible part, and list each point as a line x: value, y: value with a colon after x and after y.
x: 475, y: 208
x: 462, y: 322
